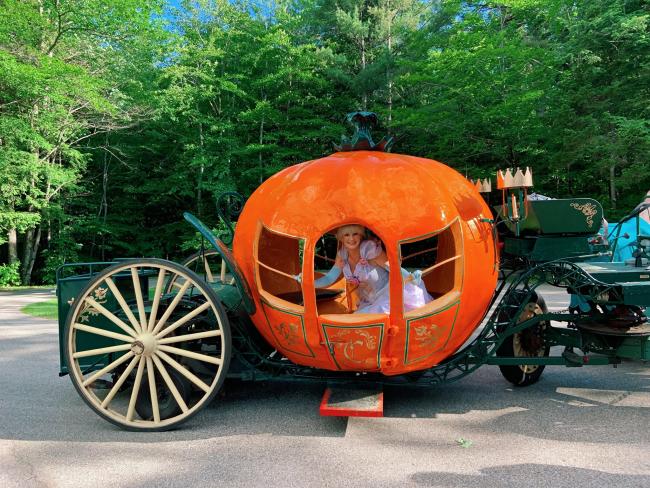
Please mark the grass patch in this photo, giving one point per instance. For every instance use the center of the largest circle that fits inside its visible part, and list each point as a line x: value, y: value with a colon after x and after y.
x: 30, y: 287
x: 45, y: 310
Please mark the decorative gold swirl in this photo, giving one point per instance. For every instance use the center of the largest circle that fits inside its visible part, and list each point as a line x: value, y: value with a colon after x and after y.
x: 99, y: 295
x: 588, y: 209
x: 289, y: 332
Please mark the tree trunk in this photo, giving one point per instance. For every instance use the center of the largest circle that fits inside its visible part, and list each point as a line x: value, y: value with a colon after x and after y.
x: 612, y: 186
x: 389, y: 75
x: 363, y: 64
x: 103, y: 208
x: 27, y: 250
x: 363, y: 68
x: 199, y: 186
x: 260, y: 154
x: 13, y: 245
x: 32, y: 241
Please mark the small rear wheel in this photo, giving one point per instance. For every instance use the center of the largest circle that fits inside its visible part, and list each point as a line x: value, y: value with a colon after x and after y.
x: 141, y: 358
x: 527, y: 343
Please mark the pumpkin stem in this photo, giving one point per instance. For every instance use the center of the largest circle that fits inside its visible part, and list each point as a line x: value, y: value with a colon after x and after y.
x: 363, y: 123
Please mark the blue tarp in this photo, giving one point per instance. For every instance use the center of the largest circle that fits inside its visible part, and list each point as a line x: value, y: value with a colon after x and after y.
x: 624, y: 248
x: 626, y: 245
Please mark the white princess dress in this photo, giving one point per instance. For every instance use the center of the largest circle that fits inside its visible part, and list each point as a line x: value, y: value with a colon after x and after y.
x: 373, y: 288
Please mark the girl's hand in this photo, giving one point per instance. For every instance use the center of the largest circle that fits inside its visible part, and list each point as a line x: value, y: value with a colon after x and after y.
x: 417, y: 276
x: 354, y: 281
x: 381, y: 260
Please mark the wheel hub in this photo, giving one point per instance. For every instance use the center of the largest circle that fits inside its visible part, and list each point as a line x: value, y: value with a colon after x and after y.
x: 144, y: 345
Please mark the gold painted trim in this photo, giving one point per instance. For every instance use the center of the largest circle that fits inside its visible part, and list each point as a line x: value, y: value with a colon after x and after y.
x: 302, y: 326
x: 421, y: 237
x: 459, y: 272
x: 437, y: 312
x: 380, y: 341
x: 588, y: 209
x: 265, y: 295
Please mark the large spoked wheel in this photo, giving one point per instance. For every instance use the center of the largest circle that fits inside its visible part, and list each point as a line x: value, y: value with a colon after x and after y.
x: 527, y: 343
x: 141, y: 358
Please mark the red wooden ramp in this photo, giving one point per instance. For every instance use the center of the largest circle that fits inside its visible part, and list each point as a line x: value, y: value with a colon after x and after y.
x: 348, y: 401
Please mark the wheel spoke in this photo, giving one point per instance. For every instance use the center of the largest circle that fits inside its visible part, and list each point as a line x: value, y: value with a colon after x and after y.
x: 107, y: 368
x: 208, y: 271
x: 156, y: 299
x: 138, y: 297
x: 125, y: 307
x: 101, y: 350
x: 170, y: 384
x: 190, y: 354
x: 190, y: 337
x: 136, y: 389
x: 102, y: 332
x: 118, y: 384
x: 184, y: 371
x: 109, y: 315
x: 171, y: 307
x: 153, y: 391
x: 183, y: 320
x: 223, y: 270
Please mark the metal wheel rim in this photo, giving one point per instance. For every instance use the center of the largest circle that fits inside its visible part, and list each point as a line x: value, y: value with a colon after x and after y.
x: 145, y: 346
x: 530, y: 310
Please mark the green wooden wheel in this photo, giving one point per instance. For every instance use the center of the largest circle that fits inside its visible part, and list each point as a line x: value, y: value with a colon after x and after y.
x: 141, y: 358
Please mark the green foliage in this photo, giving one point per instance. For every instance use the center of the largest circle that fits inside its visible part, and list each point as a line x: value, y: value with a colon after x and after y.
x: 61, y: 251
x: 9, y: 275
x: 464, y: 443
x: 115, y: 119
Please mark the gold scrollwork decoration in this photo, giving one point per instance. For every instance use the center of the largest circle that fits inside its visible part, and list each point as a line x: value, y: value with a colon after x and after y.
x: 427, y: 335
x: 99, y: 295
x: 355, y: 340
x: 588, y: 210
x: 289, y: 332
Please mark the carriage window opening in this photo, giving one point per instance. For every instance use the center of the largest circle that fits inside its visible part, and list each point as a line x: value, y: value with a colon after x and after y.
x: 331, y: 299
x: 279, y: 259
x: 325, y: 254
x: 362, y: 285
x: 438, y: 258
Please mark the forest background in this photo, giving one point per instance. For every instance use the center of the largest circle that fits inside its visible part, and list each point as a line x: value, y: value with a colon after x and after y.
x: 117, y: 116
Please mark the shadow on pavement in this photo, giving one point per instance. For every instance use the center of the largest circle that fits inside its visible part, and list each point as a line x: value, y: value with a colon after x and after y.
x: 518, y: 475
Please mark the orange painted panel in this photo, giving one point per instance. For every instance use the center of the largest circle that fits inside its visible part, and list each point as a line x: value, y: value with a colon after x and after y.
x: 288, y: 329
x: 429, y: 334
x: 354, y: 348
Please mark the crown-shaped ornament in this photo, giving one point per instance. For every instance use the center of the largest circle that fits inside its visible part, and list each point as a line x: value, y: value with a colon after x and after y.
x: 482, y: 185
x: 520, y: 179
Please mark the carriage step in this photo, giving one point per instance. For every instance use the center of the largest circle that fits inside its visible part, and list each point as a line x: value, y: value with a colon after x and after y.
x: 348, y: 401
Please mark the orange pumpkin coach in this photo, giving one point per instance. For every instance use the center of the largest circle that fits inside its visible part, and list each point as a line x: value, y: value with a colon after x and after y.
x: 358, y: 269
x: 421, y: 212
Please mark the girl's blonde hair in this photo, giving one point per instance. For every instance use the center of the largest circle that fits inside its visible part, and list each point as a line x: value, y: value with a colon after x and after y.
x: 350, y: 228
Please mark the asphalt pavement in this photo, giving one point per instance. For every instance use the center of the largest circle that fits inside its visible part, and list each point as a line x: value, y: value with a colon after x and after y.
x: 576, y: 427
